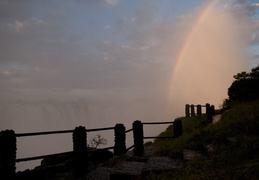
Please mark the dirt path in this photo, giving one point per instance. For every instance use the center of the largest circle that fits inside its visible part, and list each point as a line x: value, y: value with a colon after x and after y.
x: 216, y: 118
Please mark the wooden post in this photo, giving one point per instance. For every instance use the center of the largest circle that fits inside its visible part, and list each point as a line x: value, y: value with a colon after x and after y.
x: 192, y: 110
x: 212, y: 110
x: 207, y: 108
x: 79, y: 140
x: 80, y: 150
x: 120, y: 139
x: 178, y: 128
x: 199, y: 112
x: 138, y: 138
x: 7, y: 154
x: 187, y: 110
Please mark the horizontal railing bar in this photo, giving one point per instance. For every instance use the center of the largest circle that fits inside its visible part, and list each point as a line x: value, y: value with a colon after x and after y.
x: 102, y: 149
x: 159, y: 137
x: 128, y: 130
x: 42, y: 157
x: 197, y: 105
x: 112, y: 147
x: 157, y: 122
x: 99, y: 129
x: 59, y: 132
x: 130, y: 148
x: 43, y: 133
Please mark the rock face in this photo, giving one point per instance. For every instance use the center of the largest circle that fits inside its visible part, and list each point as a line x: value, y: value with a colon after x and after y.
x: 101, y: 173
x: 127, y: 170
x: 64, y: 167
x: 163, y: 164
x: 103, y: 165
x: 134, y: 169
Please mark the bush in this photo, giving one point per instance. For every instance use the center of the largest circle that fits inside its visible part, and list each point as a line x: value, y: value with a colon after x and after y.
x: 245, y: 87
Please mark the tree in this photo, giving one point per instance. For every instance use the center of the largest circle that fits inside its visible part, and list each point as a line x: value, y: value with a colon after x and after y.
x: 255, y: 73
x: 242, y: 75
x: 97, y: 140
x: 245, y: 87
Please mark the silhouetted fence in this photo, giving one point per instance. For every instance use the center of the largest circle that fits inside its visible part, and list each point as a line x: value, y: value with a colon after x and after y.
x: 209, y: 109
x: 79, y: 136
x: 138, y: 134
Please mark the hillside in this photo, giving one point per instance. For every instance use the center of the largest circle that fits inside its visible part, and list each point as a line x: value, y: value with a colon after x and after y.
x: 229, y: 149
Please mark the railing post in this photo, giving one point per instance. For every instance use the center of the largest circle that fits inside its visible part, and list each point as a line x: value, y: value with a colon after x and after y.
x: 192, y: 110
x: 7, y: 154
x: 80, y: 149
x: 178, y: 127
x: 199, y: 112
x: 120, y: 139
x: 212, y: 110
x: 138, y: 138
x: 207, y: 108
x: 187, y: 110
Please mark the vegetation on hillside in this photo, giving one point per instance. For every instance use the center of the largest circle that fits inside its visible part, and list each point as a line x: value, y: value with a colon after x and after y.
x: 229, y: 148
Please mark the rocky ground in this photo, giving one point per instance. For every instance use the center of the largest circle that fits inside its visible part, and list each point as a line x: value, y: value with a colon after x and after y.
x: 104, y: 166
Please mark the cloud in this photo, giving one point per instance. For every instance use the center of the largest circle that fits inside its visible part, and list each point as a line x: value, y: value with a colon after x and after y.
x: 145, y: 14
x: 108, y: 3
x: 255, y: 5
x: 185, y: 16
x: 107, y: 27
x: 112, y: 2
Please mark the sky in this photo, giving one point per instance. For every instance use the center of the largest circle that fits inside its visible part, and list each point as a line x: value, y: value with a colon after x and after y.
x: 112, y: 49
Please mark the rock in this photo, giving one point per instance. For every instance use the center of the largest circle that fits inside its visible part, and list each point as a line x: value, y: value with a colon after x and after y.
x: 209, y: 148
x: 100, y: 156
x: 117, y: 160
x: 190, y: 154
x: 101, y: 173
x: 149, y: 150
x: 128, y: 170
x: 163, y: 164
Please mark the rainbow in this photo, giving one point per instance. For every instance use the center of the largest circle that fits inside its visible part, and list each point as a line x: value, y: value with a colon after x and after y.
x: 188, y: 41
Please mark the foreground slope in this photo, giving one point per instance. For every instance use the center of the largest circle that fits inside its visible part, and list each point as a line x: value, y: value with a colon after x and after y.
x: 229, y: 149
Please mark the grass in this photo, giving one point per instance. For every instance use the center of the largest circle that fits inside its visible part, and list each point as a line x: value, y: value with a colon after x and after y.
x: 174, y: 147
x: 234, y: 143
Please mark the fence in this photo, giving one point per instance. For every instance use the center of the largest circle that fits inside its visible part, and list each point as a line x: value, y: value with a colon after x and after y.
x: 210, y: 109
x: 79, y: 136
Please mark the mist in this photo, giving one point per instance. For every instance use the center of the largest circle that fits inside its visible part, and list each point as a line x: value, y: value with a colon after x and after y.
x: 104, y: 64
x: 216, y: 50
